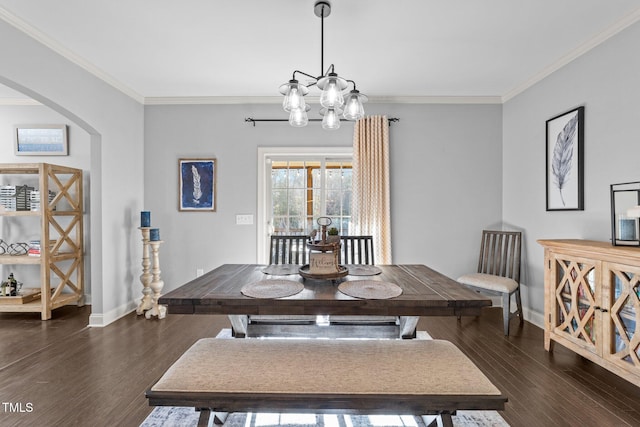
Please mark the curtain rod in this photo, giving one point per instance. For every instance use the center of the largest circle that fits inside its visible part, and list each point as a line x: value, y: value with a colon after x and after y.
x: 253, y: 121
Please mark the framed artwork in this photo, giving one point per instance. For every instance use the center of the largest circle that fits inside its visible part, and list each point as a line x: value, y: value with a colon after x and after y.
x: 41, y: 140
x: 565, y: 161
x: 197, y: 187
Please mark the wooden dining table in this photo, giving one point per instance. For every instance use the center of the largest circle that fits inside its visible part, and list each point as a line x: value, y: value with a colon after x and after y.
x: 425, y: 292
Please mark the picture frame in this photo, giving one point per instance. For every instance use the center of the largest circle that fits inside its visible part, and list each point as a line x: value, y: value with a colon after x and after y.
x: 197, y: 185
x: 565, y: 161
x: 41, y: 140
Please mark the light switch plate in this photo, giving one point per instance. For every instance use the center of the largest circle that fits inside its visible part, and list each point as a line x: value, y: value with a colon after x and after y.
x: 244, y: 219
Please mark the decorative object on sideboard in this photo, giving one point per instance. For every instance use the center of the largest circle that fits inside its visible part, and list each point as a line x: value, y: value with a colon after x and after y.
x: 625, y: 211
x: 565, y: 161
x: 332, y: 100
x: 197, y: 186
x: 41, y: 140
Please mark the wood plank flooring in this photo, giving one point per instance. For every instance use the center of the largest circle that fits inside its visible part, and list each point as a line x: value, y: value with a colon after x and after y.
x: 72, y: 375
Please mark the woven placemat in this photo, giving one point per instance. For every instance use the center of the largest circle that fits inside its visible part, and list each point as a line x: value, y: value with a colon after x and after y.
x: 272, y: 288
x: 281, y: 269
x: 363, y: 270
x: 370, y: 289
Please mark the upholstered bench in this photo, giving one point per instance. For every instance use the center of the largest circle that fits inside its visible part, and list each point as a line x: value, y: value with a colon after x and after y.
x: 418, y: 377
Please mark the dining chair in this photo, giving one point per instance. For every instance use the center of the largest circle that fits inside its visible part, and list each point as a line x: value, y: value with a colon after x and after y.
x: 357, y: 250
x: 498, y: 271
x: 288, y: 249
x: 284, y: 249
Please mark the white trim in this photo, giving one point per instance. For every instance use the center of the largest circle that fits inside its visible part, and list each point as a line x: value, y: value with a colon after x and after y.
x: 52, y: 44
x: 214, y: 100
x: 18, y: 102
x: 102, y: 320
x: 263, y: 154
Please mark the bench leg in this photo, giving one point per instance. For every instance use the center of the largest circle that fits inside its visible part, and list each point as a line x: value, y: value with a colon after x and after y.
x: 446, y: 420
x: 442, y: 420
x: 205, y: 414
x: 203, y: 420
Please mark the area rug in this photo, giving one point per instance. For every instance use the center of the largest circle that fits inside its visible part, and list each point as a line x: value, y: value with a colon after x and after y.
x: 163, y: 416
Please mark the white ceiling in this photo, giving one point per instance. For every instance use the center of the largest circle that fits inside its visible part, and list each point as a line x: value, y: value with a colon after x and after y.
x: 155, y: 49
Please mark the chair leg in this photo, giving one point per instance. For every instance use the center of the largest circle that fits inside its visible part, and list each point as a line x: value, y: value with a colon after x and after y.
x: 519, y: 305
x: 506, y: 311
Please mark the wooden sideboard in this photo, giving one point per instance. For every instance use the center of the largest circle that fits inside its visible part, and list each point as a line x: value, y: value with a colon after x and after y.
x: 592, y: 302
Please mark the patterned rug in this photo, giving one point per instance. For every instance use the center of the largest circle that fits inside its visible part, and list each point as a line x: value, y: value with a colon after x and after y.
x: 184, y: 417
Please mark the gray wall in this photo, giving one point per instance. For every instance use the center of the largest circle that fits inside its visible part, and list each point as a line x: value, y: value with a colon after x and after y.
x: 605, y: 82
x: 446, y: 168
x: 114, y: 123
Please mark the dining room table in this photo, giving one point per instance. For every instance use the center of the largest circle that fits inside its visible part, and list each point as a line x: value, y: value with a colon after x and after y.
x: 407, y: 291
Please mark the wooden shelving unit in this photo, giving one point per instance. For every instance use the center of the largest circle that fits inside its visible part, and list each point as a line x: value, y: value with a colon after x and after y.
x: 61, y: 261
x: 592, y: 302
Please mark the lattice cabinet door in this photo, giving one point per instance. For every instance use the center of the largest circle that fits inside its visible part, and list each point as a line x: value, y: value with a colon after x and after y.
x: 575, y: 313
x: 621, y: 306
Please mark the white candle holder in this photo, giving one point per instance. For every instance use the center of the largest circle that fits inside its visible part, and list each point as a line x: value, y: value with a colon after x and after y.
x: 156, y: 284
x: 147, y: 302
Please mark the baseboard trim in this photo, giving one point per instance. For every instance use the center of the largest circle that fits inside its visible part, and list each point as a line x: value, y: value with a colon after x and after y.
x: 102, y: 320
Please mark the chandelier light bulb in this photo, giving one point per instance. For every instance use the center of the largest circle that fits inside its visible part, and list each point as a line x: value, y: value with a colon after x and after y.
x: 330, y: 121
x: 331, y: 96
x: 298, y: 117
x: 353, y: 105
x: 293, y: 95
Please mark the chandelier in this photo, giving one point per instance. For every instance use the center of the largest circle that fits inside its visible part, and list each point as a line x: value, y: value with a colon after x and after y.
x: 333, y: 97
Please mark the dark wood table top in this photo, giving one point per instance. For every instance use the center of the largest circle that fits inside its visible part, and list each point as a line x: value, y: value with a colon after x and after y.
x: 425, y: 292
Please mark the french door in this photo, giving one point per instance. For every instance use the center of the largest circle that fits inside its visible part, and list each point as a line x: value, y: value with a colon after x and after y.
x: 298, y: 185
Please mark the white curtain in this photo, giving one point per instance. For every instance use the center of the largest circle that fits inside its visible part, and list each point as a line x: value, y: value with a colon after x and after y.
x: 371, y: 198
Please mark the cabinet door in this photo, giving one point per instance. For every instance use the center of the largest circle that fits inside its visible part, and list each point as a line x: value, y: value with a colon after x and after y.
x: 621, y: 300
x: 575, y: 296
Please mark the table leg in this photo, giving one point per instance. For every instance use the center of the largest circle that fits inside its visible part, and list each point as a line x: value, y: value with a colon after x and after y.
x: 408, y: 325
x: 239, y: 324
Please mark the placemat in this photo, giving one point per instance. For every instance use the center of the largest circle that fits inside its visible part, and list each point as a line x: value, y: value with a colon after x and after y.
x: 272, y: 288
x: 370, y: 289
x: 281, y: 269
x: 363, y: 270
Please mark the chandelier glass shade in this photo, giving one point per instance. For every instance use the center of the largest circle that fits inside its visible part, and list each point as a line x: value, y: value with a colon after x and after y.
x: 332, y: 87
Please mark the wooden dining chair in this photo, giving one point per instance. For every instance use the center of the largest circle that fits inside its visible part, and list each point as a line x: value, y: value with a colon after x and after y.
x: 288, y: 249
x: 356, y: 250
x: 284, y: 249
x: 498, y: 271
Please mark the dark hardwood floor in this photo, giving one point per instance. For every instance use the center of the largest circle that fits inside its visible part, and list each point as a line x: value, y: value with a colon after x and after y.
x: 62, y: 373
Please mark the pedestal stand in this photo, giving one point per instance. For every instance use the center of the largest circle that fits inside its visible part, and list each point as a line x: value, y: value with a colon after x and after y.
x: 146, y: 303
x: 156, y: 284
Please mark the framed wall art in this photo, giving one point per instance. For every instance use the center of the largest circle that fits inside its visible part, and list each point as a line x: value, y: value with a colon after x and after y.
x: 197, y: 187
x: 565, y: 161
x: 41, y: 140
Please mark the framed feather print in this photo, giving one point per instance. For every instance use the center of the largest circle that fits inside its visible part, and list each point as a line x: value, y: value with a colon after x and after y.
x: 565, y: 161
x: 197, y: 187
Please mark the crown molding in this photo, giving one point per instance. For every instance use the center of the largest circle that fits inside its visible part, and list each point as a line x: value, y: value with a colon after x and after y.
x: 603, y: 36
x: 18, y: 102
x: 39, y: 36
x: 200, y: 100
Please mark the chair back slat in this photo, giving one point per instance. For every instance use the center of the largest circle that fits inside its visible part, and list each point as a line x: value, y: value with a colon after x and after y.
x: 287, y: 249
x: 500, y: 253
x: 356, y: 250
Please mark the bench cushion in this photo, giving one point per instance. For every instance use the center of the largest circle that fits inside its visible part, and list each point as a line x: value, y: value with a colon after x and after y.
x: 308, y: 369
x: 490, y: 282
